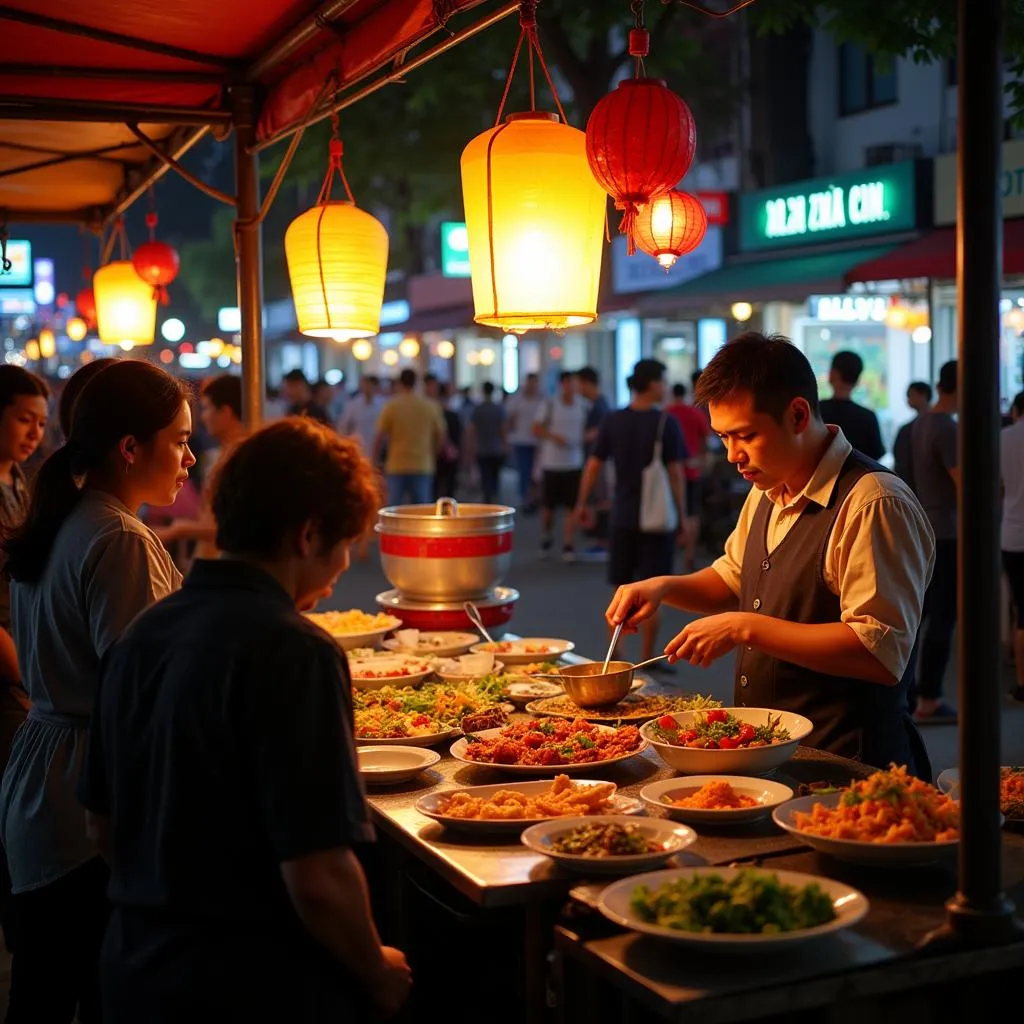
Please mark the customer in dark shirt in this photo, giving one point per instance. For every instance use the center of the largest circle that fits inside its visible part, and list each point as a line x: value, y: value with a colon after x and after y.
x: 221, y: 778
x: 858, y: 424
x: 919, y: 397
x: 298, y: 395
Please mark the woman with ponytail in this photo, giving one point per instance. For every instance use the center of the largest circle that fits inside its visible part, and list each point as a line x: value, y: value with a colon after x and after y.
x: 82, y: 567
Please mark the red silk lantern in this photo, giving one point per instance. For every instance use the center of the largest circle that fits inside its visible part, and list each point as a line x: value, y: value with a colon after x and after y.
x: 640, y: 143
x: 157, y: 263
x: 85, y: 305
x: 671, y: 225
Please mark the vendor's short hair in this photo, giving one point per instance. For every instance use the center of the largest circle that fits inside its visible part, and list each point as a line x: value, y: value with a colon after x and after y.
x: 225, y: 389
x: 285, y: 475
x: 770, y: 367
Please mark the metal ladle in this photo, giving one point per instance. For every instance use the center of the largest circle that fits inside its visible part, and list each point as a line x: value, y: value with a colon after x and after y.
x: 474, y: 616
x: 611, y: 646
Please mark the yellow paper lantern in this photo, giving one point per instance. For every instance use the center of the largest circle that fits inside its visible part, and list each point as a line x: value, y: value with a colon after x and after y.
x: 125, y: 305
x: 362, y: 350
x: 409, y: 347
x: 337, y: 259
x: 535, y: 219
x: 32, y: 350
x: 47, y: 343
x: 76, y: 328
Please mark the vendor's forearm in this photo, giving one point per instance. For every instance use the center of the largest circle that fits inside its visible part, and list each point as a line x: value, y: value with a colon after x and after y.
x: 831, y: 648
x: 704, y: 592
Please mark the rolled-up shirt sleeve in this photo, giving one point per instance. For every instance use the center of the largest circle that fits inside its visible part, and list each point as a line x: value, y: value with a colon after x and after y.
x: 880, y: 563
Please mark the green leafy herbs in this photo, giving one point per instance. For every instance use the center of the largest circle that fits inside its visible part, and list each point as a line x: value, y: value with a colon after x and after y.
x: 750, y: 903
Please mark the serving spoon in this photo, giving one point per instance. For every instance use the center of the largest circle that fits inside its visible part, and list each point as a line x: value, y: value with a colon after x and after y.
x: 474, y: 616
x: 611, y: 646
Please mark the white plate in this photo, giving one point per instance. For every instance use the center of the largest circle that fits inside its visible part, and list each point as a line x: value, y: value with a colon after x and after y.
x: 458, y: 751
x: 949, y: 782
x: 767, y: 794
x: 391, y: 765
x: 849, y: 904
x: 512, y: 652
x: 349, y: 640
x: 524, y: 691
x: 741, y: 760
x: 437, y: 645
x: 427, y: 806
x: 465, y: 677
x: 427, y: 740
x: 418, y: 671
x: 854, y: 851
x: 673, y: 838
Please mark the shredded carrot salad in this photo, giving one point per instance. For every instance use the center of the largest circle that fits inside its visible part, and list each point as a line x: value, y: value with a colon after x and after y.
x: 887, y: 807
x: 714, y: 796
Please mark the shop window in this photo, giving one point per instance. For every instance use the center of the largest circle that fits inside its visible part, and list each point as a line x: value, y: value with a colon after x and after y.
x: 865, y: 81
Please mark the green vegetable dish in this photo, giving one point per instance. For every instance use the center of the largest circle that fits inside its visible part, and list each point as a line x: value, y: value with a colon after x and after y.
x: 596, y: 840
x: 750, y: 903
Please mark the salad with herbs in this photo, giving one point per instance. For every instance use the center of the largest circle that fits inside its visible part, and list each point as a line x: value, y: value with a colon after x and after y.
x: 718, y: 729
x: 750, y: 903
x: 395, y: 712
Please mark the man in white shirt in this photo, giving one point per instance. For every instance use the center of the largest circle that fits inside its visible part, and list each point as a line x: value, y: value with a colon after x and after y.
x: 361, y: 413
x: 1011, y: 467
x: 560, y: 424
x: 522, y: 409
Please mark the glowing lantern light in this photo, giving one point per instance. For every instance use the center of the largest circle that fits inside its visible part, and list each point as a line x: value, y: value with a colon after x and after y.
x: 47, y: 343
x: 534, y: 215
x: 214, y: 347
x: 409, y: 347
x: 125, y: 305
x: 390, y: 357
x: 32, y: 350
x: 362, y: 350
x: 670, y: 226
x: 742, y: 312
x: 641, y: 139
x: 166, y: 356
x: 487, y: 357
x: 445, y: 349
x: 85, y: 304
x: 236, y: 355
x: 76, y: 328
x: 473, y: 357
x: 337, y: 259
x: 157, y: 264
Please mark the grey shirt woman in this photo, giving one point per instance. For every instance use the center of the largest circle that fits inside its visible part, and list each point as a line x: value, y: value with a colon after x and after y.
x: 106, y: 566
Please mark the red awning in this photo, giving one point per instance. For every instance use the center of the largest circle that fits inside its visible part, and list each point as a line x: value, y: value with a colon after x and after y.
x: 934, y: 255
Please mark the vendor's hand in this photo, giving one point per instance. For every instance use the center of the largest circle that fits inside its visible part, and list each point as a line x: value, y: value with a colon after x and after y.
x: 705, y: 640
x: 635, y: 602
x: 585, y: 516
x: 389, y: 988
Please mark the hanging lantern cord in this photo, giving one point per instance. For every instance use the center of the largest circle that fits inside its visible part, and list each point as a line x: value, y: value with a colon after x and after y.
x: 335, y: 151
x: 639, y: 38
x: 528, y: 32
x: 151, y: 217
x: 6, y: 263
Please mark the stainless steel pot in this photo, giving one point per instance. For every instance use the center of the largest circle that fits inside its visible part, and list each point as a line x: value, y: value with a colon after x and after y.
x: 445, y: 551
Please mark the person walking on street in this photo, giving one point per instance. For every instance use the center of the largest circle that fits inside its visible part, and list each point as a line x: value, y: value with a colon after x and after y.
x: 858, y: 424
x: 299, y: 396
x: 696, y: 430
x: 1011, y: 466
x: 561, y: 425
x: 412, y: 429
x: 487, y: 438
x: 919, y: 397
x: 522, y: 408
x: 628, y: 438
x: 359, y: 417
x: 820, y: 586
x: 933, y: 439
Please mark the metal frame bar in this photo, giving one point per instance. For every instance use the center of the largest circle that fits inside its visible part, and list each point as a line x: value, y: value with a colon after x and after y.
x: 292, y: 41
x: 10, y: 69
x: 41, y: 108
x: 392, y: 76
x: 60, y: 157
x: 102, y: 35
x: 172, y: 164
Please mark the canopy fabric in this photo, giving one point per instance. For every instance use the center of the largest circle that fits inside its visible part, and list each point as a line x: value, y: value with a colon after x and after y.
x: 775, y: 279
x: 934, y: 256
x: 72, y: 76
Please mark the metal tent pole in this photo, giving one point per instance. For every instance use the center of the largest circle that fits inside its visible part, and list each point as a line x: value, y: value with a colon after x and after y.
x: 249, y: 256
x: 980, y: 913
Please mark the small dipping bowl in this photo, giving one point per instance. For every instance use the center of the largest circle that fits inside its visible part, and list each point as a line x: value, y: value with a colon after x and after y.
x: 589, y: 687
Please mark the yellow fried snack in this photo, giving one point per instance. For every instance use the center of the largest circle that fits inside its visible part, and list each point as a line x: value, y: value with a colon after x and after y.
x: 564, y: 799
x: 351, y: 623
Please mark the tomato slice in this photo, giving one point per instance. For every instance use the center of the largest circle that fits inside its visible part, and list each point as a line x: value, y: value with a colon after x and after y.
x: 746, y: 733
x: 717, y: 715
x: 728, y: 743
x: 668, y: 722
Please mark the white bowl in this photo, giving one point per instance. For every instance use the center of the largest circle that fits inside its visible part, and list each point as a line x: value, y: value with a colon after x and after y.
x: 672, y: 838
x: 513, y: 652
x: 443, y: 644
x: 741, y: 760
x: 347, y: 641
x: 461, y: 676
x: 419, y: 670
x: 855, y: 851
x: 849, y: 905
x: 767, y: 794
x: 523, y: 691
x: 392, y: 765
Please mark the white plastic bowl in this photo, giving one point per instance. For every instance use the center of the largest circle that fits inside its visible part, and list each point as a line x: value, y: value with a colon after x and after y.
x: 393, y: 765
x: 741, y: 760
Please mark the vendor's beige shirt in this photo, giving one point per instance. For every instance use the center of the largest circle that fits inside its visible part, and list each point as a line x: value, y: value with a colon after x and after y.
x: 879, y: 559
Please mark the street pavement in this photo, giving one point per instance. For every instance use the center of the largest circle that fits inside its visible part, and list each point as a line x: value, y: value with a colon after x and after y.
x: 569, y: 601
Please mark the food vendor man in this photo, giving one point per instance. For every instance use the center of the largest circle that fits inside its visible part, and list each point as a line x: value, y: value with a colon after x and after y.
x: 820, y: 587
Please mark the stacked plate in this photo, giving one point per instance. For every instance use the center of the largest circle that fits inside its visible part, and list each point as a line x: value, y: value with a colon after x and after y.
x: 495, y: 610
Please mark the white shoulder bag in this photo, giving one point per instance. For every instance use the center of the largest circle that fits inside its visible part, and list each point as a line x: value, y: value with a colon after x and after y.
x: 658, y: 513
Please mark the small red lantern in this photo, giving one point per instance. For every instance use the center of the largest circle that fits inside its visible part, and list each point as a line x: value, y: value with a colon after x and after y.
x: 640, y: 140
x: 157, y: 263
x: 671, y: 225
x: 85, y: 305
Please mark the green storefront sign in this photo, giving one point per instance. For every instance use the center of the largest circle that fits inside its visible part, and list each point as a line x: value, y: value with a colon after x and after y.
x: 874, y: 201
x: 454, y: 249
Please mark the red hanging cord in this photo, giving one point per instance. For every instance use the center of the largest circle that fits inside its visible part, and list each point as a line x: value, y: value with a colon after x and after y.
x: 528, y: 32
x: 335, y: 151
